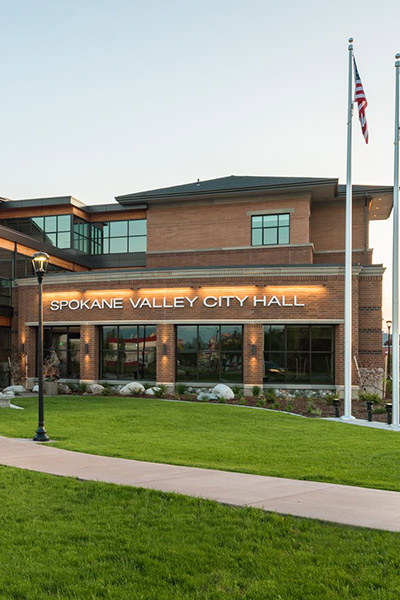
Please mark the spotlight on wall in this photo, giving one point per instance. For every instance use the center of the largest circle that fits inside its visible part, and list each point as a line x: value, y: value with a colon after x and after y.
x: 86, y: 349
x: 253, y: 349
x: 164, y: 349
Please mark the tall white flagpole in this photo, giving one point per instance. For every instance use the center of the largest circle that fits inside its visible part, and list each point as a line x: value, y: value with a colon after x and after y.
x: 348, y: 253
x: 395, y: 291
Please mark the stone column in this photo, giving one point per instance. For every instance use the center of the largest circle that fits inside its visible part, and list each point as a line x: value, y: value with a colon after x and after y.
x: 90, y: 367
x: 253, y: 363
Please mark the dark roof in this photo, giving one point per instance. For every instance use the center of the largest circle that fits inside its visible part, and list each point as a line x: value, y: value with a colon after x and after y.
x: 233, y: 183
x: 366, y: 189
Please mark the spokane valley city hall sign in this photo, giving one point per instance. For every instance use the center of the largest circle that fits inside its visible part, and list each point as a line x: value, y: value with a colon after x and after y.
x: 174, y: 302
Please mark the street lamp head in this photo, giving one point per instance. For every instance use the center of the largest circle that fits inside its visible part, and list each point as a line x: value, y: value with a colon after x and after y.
x: 389, y: 323
x: 40, y: 260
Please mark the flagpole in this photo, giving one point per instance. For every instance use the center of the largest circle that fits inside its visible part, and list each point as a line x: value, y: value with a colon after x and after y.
x: 348, y: 252
x: 395, y: 290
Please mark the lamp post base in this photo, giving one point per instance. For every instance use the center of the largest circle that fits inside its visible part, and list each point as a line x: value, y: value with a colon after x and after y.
x: 41, y: 435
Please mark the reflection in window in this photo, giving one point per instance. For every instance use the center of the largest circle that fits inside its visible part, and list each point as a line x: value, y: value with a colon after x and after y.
x: 53, y: 229
x: 269, y: 230
x: 298, y: 354
x: 114, y: 237
x: 128, y: 352
x: 209, y: 353
x: 65, y: 341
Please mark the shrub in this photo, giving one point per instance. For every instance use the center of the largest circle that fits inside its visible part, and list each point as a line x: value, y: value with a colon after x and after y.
x: 237, y: 390
x: 316, y: 412
x: 389, y: 387
x: 329, y: 398
x: 310, y: 407
x: 82, y: 387
x: 181, y: 388
x: 160, y: 390
x: 367, y: 397
x: 256, y: 391
x: 269, y: 396
x: 106, y: 385
x: 107, y: 392
x: 379, y: 410
x: 147, y: 386
x: 289, y: 407
x: 276, y: 405
x: 260, y: 402
x: 242, y: 401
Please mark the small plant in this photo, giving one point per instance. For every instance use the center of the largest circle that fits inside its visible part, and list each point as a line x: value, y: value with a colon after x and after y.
x: 242, y: 401
x: 310, y: 407
x: 276, y: 405
x: 221, y: 400
x: 317, y: 412
x: 236, y: 389
x: 107, y: 391
x: 256, y: 391
x: 260, y: 402
x: 82, y: 387
x: 367, y: 397
x: 289, y: 406
x: 160, y: 390
x: 269, y: 396
x: 329, y: 398
x: 379, y: 410
x: 147, y: 386
x: 106, y: 385
x: 181, y: 388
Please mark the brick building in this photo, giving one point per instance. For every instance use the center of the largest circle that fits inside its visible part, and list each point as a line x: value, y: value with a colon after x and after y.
x: 237, y: 280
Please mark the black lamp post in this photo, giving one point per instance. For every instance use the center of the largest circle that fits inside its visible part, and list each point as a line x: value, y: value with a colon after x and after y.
x: 40, y: 260
x: 389, y: 324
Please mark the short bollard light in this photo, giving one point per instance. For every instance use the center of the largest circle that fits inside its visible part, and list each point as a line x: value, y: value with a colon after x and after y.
x: 389, y: 412
x: 370, y: 407
x: 336, y: 404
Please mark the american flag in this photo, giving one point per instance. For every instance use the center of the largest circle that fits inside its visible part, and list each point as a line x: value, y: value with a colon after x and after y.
x: 361, y: 100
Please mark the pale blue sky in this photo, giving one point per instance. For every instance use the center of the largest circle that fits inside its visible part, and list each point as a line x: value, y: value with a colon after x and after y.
x: 106, y: 97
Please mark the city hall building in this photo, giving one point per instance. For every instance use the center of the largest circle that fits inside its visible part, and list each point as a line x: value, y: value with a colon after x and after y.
x: 237, y: 280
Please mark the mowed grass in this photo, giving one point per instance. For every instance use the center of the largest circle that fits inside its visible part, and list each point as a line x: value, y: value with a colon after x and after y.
x: 67, y: 539
x: 215, y: 436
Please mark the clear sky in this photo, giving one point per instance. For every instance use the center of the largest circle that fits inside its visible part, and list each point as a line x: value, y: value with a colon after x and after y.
x: 107, y: 97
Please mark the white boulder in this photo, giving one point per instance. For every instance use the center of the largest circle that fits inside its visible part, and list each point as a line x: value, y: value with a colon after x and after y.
x: 223, y: 391
x: 132, y: 388
x: 35, y: 388
x: 19, y: 389
x: 150, y: 392
x: 95, y: 388
x: 9, y: 394
x: 205, y: 396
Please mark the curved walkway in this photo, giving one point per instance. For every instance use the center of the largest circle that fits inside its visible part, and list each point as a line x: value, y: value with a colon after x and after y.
x: 348, y: 505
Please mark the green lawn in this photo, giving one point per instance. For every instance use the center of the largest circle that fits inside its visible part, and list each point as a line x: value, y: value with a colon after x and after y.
x: 67, y: 539
x: 215, y: 436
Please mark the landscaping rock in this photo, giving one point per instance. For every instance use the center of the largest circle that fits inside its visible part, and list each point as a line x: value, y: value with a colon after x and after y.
x: 35, y: 388
x: 63, y: 388
x: 223, y: 391
x: 15, y: 388
x: 95, y: 388
x: 8, y: 394
x: 150, y: 392
x: 132, y: 388
x: 205, y: 396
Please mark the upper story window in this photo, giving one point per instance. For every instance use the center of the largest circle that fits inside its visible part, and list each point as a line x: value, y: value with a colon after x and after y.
x: 53, y: 229
x: 124, y: 236
x: 269, y: 230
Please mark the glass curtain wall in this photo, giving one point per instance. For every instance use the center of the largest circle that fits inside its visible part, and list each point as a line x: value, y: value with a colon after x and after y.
x: 53, y: 229
x: 5, y: 353
x: 209, y: 353
x: 299, y: 354
x: 128, y: 352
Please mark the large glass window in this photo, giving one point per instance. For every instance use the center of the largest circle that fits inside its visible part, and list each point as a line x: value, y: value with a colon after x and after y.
x: 5, y: 353
x: 65, y: 342
x: 53, y: 229
x: 81, y: 235
x: 209, y: 353
x: 299, y: 354
x: 128, y: 352
x: 269, y: 230
x: 124, y: 236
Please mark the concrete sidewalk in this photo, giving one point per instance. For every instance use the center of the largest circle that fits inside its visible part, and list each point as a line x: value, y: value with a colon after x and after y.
x: 349, y: 505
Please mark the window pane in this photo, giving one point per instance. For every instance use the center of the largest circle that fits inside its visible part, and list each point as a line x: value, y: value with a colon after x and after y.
x: 186, y: 366
x: 274, y: 367
x: 298, y: 367
x: 208, y: 366
x: 118, y: 245
x: 270, y: 236
x: 127, y: 363
x: 209, y: 337
x: 137, y: 227
x: 231, y: 337
x: 147, y: 365
x: 256, y: 221
x: 284, y: 235
x: 50, y: 224
x: 128, y: 337
x: 118, y: 228
x: 231, y: 366
x: 283, y: 220
x: 257, y: 237
x: 109, y: 365
x: 322, y: 368
x: 51, y: 238
x: 274, y: 337
x: 186, y: 337
x: 321, y: 338
x: 137, y: 244
x: 64, y: 222
x: 38, y: 223
x: 106, y: 246
x: 298, y: 338
x: 110, y: 338
x: 147, y: 336
x: 64, y: 240
x: 270, y: 220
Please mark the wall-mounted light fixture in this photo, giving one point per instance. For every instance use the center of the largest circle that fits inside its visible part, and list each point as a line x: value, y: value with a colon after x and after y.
x: 86, y: 349
x: 253, y: 349
x: 164, y: 349
x: 23, y: 348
